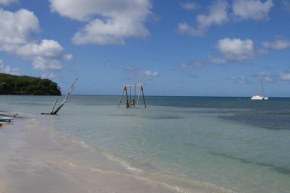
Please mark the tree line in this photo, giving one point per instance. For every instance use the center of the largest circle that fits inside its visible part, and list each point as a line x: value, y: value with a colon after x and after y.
x: 26, y: 85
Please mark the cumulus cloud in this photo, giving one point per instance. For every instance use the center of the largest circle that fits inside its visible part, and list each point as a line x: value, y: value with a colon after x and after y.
x: 107, y: 22
x: 15, y: 38
x: 15, y: 28
x: 252, y: 9
x: 41, y: 63
x: 192, y: 65
x: 217, y: 15
x: 189, y: 6
x: 278, y: 44
x: 234, y: 50
x: 139, y: 74
x: 46, y: 55
x: 8, y: 69
x: 7, y: 2
x: 45, y: 48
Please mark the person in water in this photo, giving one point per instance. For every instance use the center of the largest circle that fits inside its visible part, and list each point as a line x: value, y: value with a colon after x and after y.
x: 133, y: 103
x: 127, y: 104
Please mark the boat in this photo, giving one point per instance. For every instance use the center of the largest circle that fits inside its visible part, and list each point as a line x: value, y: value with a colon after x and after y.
x: 6, y: 119
x: 260, y: 96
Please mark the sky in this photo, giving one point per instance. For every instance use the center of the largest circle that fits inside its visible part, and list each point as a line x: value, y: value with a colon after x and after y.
x: 171, y: 47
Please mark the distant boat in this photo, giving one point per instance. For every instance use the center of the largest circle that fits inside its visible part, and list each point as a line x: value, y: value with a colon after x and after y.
x: 260, y: 96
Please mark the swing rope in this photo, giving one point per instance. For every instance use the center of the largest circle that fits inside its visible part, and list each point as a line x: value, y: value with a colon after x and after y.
x: 135, y: 93
x: 130, y: 94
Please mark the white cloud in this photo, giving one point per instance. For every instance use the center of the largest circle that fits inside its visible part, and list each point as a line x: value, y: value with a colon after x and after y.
x: 46, y: 48
x: 8, y: 69
x: 184, y: 28
x: 240, y: 80
x: 234, y: 50
x: 149, y: 73
x: 49, y: 76
x: 280, y: 78
x: 46, y: 55
x: 15, y: 27
x: 139, y: 74
x: 278, y: 44
x: 7, y: 2
x: 266, y: 77
x: 285, y: 76
x: 189, y: 6
x: 192, y: 65
x: 217, y: 16
x: 41, y: 63
x: 252, y: 9
x: 15, y: 38
x: 108, y: 22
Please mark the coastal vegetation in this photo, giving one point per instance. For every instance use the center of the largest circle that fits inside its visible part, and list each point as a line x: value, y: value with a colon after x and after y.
x: 27, y: 85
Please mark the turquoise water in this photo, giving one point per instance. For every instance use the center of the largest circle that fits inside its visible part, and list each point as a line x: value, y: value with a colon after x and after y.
x: 235, y: 143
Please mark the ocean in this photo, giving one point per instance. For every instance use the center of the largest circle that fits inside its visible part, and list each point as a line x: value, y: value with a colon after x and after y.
x: 232, y: 143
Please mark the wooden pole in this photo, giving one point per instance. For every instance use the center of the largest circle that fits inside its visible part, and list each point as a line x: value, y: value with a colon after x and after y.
x: 143, y: 96
x: 138, y: 97
x: 126, y: 95
x: 121, y: 97
x: 51, y: 112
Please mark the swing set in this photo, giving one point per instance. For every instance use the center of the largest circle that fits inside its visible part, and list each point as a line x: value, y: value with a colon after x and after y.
x: 130, y: 99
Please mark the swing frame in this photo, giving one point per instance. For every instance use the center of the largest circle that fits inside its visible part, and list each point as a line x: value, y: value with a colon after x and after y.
x: 141, y: 91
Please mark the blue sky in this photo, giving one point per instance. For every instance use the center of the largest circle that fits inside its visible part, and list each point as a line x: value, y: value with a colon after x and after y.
x: 191, y: 48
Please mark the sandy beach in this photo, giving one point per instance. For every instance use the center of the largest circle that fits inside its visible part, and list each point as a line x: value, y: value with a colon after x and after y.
x: 34, y: 159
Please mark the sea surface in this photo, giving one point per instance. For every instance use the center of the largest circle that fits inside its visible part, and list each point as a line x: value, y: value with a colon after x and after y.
x: 233, y: 143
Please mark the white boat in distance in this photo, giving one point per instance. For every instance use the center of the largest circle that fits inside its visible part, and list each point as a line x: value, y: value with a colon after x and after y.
x: 259, y: 96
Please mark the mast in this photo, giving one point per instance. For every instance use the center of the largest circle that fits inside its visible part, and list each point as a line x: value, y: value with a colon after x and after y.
x: 262, y: 87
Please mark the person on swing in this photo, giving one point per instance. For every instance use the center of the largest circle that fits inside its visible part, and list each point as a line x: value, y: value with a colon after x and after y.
x: 127, y: 104
x: 133, y: 103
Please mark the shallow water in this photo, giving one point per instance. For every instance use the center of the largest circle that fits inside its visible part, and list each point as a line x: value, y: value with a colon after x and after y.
x: 234, y: 143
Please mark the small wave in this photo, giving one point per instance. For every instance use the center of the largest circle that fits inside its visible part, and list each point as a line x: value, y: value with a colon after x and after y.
x: 123, y: 163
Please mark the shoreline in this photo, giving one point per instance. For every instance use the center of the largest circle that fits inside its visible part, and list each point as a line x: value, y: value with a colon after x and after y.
x: 36, y: 159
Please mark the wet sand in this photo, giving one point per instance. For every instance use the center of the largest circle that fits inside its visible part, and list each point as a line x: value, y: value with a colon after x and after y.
x: 35, y: 159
